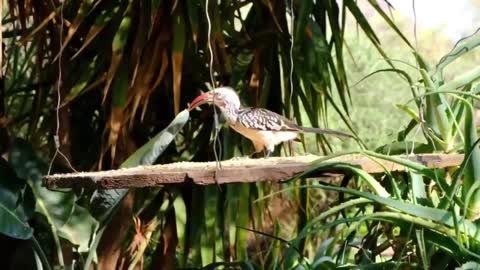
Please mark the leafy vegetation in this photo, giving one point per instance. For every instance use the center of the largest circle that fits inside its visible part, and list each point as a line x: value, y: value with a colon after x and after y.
x: 100, y: 85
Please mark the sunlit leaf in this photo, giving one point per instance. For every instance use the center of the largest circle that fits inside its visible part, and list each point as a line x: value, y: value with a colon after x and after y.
x: 105, y: 201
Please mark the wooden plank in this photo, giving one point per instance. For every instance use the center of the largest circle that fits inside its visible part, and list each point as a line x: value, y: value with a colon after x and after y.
x: 239, y: 170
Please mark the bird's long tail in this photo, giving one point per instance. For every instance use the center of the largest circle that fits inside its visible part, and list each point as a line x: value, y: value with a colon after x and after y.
x: 327, y: 131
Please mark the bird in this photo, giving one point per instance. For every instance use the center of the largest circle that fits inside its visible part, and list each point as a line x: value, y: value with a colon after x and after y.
x: 264, y: 128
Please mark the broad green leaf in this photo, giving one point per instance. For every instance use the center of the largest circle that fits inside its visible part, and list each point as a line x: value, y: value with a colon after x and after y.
x: 469, y: 266
x: 67, y: 220
x: 56, y: 206
x: 79, y: 228
x: 148, y: 153
x: 25, y: 162
x: 13, y: 221
x: 104, y: 201
x: 12, y: 225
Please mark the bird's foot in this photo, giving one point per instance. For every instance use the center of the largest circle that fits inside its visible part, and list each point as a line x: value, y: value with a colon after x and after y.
x: 265, y: 153
x: 261, y: 154
x: 256, y: 155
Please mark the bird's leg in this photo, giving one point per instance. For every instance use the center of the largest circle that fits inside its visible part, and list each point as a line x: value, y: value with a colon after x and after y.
x: 261, y: 154
x: 259, y: 149
x: 290, y: 147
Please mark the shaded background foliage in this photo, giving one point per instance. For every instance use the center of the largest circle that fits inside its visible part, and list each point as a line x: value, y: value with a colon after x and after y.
x: 124, y: 69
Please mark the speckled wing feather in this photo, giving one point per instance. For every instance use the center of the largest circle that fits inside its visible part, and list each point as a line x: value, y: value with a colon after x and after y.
x: 263, y: 119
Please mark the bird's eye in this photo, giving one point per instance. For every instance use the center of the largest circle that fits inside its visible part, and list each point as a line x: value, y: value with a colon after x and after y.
x: 217, y: 94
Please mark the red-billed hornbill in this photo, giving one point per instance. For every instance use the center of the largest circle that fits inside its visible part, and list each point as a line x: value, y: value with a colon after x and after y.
x: 263, y: 127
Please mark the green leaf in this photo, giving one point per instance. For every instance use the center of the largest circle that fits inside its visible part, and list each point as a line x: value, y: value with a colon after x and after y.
x: 87, y: 73
x: 404, y: 147
x: 242, y: 219
x: 422, y: 248
x: 390, y: 22
x: 148, y: 153
x: 181, y: 222
x: 419, y: 195
x: 442, y: 218
x: 13, y: 220
x: 469, y: 266
x: 56, y: 206
x: 369, y: 180
x: 196, y: 221
x: 207, y: 238
x: 461, y: 80
x: 101, y: 21
x: 66, y: 219
x: 471, y: 186
x: 120, y: 84
x: 462, y: 47
x: 104, y: 202
x: 302, y: 20
x: 25, y: 162
x: 79, y: 228
x: 193, y: 9
x: 12, y: 225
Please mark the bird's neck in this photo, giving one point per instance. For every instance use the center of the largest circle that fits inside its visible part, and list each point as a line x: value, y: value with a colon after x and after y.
x: 230, y: 113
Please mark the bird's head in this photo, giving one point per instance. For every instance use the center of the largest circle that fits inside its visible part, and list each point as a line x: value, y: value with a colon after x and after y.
x: 224, y: 98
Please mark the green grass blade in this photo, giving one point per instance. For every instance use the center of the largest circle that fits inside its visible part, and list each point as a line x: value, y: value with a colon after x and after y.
x: 471, y: 186
x: 180, y: 221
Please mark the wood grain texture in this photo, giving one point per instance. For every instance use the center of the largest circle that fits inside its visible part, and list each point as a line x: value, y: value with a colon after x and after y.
x: 239, y: 170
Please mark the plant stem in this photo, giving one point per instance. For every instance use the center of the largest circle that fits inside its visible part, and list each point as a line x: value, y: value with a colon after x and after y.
x: 39, y: 251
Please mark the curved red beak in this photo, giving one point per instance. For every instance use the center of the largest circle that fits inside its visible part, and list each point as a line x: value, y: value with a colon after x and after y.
x: 200, y: 100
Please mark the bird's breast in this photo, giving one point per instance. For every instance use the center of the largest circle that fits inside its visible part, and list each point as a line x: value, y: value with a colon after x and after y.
x: 265, y: 137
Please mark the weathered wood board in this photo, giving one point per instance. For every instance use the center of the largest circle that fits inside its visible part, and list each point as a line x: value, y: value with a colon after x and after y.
x: 238, y: 170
